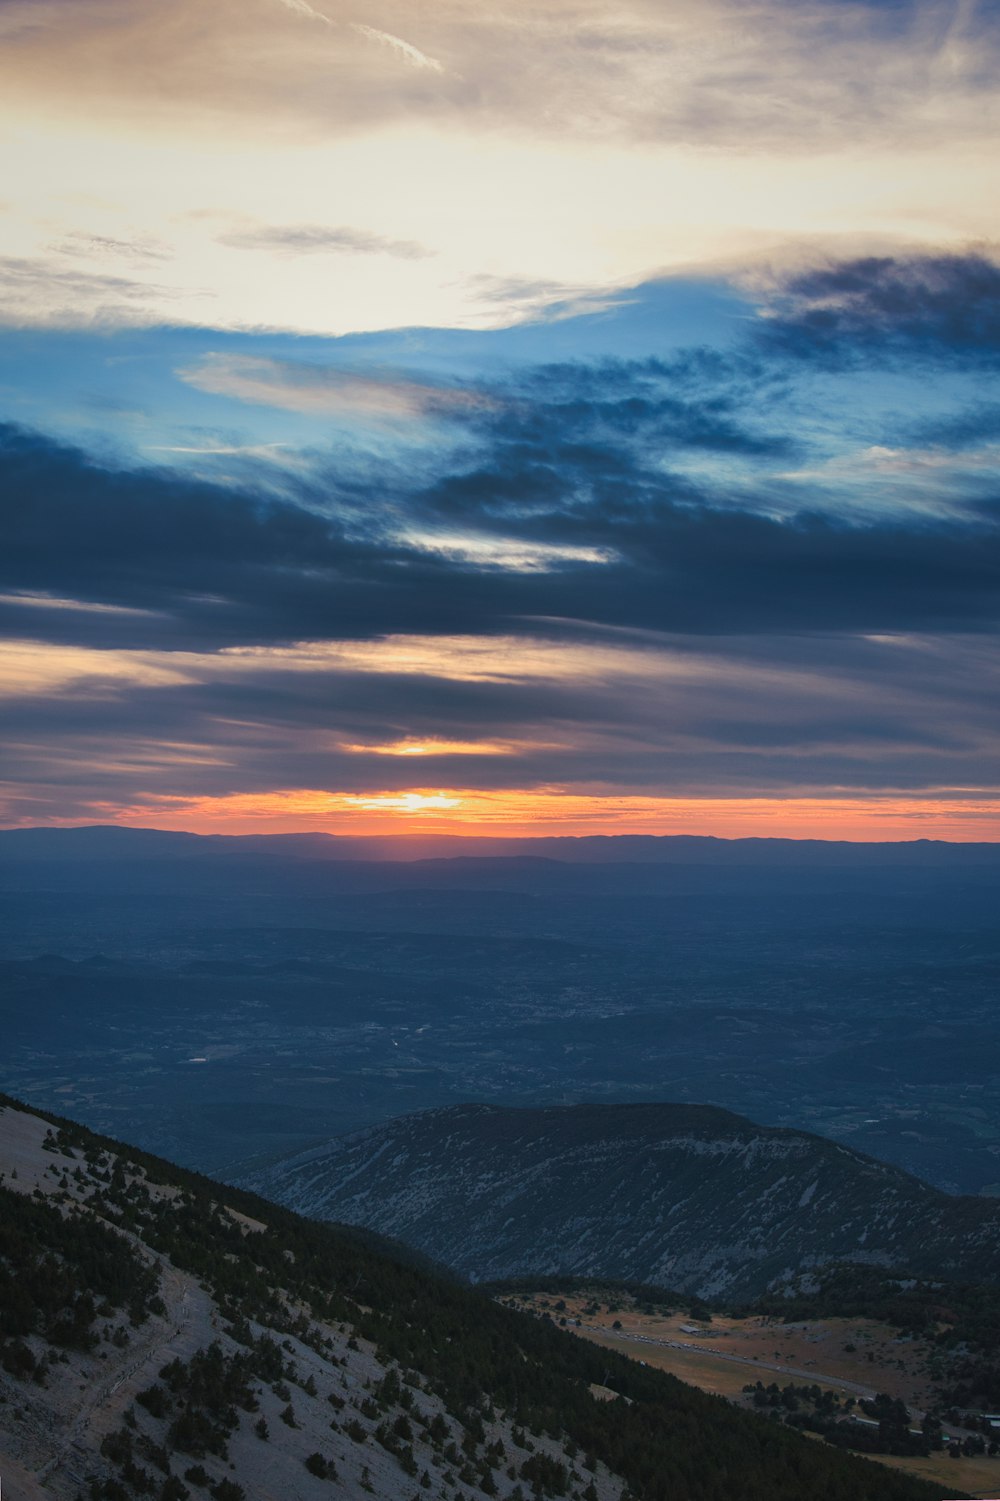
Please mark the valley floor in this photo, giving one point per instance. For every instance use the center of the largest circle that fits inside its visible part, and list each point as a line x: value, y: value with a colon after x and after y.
x: 727, y: 1354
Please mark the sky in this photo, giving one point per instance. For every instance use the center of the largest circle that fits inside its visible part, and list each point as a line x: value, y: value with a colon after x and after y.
x: 522, y: 419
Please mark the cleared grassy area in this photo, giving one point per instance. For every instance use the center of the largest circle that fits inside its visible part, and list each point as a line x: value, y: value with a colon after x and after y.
x: 976, y: 1477
x: 763, y: 1348
x: 853, y: 1356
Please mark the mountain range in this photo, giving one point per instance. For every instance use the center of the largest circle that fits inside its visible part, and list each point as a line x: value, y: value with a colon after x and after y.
x: 119, y: 842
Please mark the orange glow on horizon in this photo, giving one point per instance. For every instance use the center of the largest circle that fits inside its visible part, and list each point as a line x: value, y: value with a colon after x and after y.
x: 951, y: 815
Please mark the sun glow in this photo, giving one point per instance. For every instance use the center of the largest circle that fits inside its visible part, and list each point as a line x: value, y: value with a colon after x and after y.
x: 401, y: 802
x: 435, y: 747
x: 956, y: 814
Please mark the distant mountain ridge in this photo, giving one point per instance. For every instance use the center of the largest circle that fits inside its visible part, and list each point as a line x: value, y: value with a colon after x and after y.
x: 690, y: 1197
x: 116, y: 842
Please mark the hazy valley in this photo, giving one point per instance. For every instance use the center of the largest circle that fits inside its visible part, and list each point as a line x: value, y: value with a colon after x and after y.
x: 846, y: 990
x: 520, y: 1067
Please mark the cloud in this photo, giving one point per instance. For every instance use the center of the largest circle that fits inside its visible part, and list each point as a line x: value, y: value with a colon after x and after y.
x: 311, y: 239
x: 577, y: 455
x: 781, y: 717
x: 937, y: 309
x: 626, y: 544
x: 302, y: 8
x: 705, y: 570
x: 326, y: 390
x: 695, y: 133
x: 405, y: 50
x: 32, y: 669
x: 149, y: 539
x: 169, y: 635
x: 272, y: 452
x: 100, y: 247
x: 801, y: 75
x: 976, y: 424
x: 699, y: 399
x: 435, y: 747
x: 27, y: 600
x: 934, y: 481
x: 506, y: 553
x: 39, y: 290
x: 543, y: 301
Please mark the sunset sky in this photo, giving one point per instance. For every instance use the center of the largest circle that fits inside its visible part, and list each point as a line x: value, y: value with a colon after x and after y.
x: 531, y: 418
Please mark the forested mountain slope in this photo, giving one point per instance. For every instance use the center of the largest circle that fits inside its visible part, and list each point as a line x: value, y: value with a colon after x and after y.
x: 162, y: 1336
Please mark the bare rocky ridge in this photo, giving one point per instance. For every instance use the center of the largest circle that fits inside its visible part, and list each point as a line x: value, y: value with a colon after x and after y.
x: 688, y: 1197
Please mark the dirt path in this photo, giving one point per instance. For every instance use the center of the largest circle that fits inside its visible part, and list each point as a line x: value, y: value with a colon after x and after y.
x: 190, y: 1323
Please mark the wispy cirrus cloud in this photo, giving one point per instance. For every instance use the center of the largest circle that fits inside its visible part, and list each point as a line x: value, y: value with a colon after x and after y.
x: 939, y: 481
x: 318, y: 239
x: 326, y: 390
x: 44, y: 291
x: 303, y: 8
x: 40, y: 600
x: 801, y: 74
x: 435, y: 746
x: 403, y: 49
x: 108, y: 247
x: 539, y: 300
x: 509, y: 554
x: 976, y: 424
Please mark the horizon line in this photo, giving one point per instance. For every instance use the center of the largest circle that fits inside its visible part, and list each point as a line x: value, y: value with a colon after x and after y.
x: 427, y: 837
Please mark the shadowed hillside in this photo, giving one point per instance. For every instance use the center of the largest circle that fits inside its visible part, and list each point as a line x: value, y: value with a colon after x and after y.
x: 685, y: 1196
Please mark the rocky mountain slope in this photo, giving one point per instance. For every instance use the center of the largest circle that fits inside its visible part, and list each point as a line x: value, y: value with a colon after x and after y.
x: 162, y: 1336
x: 688, y: 1197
